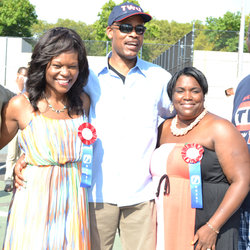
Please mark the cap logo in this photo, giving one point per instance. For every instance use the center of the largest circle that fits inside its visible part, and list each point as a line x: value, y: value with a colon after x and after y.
x: 131, y: 7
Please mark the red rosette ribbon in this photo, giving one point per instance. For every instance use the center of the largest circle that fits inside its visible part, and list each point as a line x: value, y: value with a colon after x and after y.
x: 192, y: 153
x: 87, y: 133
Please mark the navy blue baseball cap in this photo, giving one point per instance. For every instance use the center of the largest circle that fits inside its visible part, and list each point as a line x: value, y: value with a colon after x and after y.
x: 125, y: 10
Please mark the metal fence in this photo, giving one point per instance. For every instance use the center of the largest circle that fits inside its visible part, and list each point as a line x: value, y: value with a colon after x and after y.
x: 148, y: 52
x: 177, y: 56
x: 181, y: 53
x: 172, y: 57
x: 16, y: 51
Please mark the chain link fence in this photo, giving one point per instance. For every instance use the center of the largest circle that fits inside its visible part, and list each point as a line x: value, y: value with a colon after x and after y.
x: 180, y: 54
x: 171, y: 57
x: 148, y: 52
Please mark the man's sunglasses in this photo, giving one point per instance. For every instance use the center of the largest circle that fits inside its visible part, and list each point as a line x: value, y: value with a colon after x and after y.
x: 128, y: 28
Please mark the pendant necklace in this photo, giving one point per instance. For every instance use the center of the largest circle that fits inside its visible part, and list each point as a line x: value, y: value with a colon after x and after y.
x: 182, y: 131
x: 58, y: 111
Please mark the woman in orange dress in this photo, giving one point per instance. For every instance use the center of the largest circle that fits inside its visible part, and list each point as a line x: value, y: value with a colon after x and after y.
x: 201, y: 169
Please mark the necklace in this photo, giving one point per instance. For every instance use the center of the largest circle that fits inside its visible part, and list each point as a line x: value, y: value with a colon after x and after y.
x: 182, y: 131
x: 58, y: 111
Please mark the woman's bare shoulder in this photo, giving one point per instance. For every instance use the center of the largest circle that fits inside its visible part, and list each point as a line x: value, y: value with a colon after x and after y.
x: 18, y: 102
x: 215, y: 122
x: 220, y: 129
x: 19, y: 108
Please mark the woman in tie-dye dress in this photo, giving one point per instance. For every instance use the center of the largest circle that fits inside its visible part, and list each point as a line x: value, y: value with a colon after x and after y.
x: 51, y: 211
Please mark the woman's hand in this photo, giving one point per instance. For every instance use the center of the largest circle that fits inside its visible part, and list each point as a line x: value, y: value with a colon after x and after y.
x: 205, y: 238
x: 18, y: 177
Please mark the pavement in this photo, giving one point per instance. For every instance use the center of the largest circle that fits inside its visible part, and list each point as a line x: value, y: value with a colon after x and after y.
x: 6, y: 197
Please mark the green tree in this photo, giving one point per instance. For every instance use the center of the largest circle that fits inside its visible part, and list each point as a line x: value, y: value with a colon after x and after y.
x: 16, y: 18
x: 101, y: 24
x: 161, y: 35
x: 85, y: 31
x: 223, y: 31
x: 40, y: 27
x: 201, y: 42
x: 154, y: 44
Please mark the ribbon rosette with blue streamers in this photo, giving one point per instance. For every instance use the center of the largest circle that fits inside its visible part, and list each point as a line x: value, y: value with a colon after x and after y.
x: 87, y: 134
x: 192, y: 154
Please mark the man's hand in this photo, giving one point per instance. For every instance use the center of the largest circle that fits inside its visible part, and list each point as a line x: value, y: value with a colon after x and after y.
x: 18, y: 177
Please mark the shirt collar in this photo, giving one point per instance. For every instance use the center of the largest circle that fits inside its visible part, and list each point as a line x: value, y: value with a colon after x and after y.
x: 139, y: 67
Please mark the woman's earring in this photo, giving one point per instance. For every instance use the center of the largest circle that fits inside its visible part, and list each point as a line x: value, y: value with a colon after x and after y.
x: 171, y: 108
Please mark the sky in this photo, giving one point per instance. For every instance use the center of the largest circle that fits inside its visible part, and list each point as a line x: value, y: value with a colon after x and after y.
x: 181, y: 11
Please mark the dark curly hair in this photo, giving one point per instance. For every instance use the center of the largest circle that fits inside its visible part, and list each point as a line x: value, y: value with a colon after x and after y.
x: 54, y: 42
x: 188, y: 71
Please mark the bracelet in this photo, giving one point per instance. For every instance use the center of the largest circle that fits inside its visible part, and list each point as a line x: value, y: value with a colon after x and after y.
x: 211, y: 227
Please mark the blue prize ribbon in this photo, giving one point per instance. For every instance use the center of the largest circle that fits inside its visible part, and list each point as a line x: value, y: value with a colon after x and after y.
x: 195, y: 184
x: 87, y: 166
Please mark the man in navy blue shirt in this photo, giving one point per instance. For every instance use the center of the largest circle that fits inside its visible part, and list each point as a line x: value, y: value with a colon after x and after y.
x: 241, y: 119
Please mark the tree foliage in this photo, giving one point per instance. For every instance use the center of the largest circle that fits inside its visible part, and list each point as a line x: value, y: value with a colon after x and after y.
x: 16, y: 18
x: 85, y: 31
x: 101, y: 24
x: 222, y: 32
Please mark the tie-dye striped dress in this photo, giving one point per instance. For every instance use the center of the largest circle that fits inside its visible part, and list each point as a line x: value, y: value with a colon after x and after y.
x: 52, y: 211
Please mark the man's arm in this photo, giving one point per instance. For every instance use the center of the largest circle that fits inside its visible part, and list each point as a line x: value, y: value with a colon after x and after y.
x: 5, y: 96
